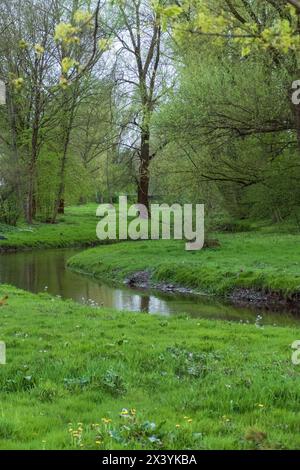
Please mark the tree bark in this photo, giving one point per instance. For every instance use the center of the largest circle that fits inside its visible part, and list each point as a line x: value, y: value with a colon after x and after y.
x: 68, y: 117
x: 144, y: 177
x: 61, y: 185
x: 15, y: 151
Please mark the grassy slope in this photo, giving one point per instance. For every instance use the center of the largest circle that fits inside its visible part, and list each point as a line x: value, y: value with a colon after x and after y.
x: 211, y: 385
x: 76, y: 227
x: 259, y: 260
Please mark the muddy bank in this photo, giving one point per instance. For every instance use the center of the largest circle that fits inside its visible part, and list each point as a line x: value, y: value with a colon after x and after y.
x: 267, y: 300
x: 141, y: 280
x: 240, y: 297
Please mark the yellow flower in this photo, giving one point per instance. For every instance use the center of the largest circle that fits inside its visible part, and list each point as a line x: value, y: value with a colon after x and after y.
x: 98, y: 442
x: 23, y: 44
x: 65, y: 32
x: 260, y: 405
x: 81, y: 16
x: 39, y: 49
x: 18, y: 83
x: 190, y: 420
x: 177, y: 426
x: 106, y: 420
x: 63, y: 82
x: 67, y: 63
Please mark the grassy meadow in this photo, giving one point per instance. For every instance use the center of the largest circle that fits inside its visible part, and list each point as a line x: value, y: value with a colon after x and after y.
x: 79, y: 377
x: 263, y: 261
x: 76, y: 227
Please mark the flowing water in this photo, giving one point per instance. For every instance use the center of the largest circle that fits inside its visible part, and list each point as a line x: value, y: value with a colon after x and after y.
x: 45, y: 271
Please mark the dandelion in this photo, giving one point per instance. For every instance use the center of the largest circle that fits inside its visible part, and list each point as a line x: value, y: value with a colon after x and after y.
x: 260, y: 405
x: 106, y: 420
x: 177, y: 426
x: 98, y: 442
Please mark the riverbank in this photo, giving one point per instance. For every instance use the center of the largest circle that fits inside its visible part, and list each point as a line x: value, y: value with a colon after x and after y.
x: 77, y: 227
x: 254, y: 266
x: 181, y: 383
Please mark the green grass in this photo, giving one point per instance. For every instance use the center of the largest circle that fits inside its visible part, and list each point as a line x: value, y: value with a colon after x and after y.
x: 248, y: 260
x: 76, y: 227
x: 194, y: 384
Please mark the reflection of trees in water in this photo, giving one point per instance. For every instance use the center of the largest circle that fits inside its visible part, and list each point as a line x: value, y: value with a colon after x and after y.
x: 144, y: 304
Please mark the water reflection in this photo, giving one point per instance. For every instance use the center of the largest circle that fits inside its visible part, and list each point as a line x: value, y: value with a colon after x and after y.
x: 40, y: 271
x: 44, y: 270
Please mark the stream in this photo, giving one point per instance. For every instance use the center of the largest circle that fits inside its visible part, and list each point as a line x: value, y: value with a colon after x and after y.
x: 45, y: 271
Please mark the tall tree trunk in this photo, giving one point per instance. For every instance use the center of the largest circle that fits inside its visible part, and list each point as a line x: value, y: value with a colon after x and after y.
x: 69, y: 117
x: 31, y: 194
x: 31, y: 198
x: 15, y: 152
x: 59, y: 201
x: 144, y: 177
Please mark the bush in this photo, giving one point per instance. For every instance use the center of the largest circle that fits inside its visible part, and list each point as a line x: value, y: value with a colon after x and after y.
x: 9, y: 212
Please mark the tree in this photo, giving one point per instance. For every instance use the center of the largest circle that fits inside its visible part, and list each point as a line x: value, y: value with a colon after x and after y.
x: 138, y: 27
x: 232, y: 117
x: 78, y: 40
x: 27, y: 67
